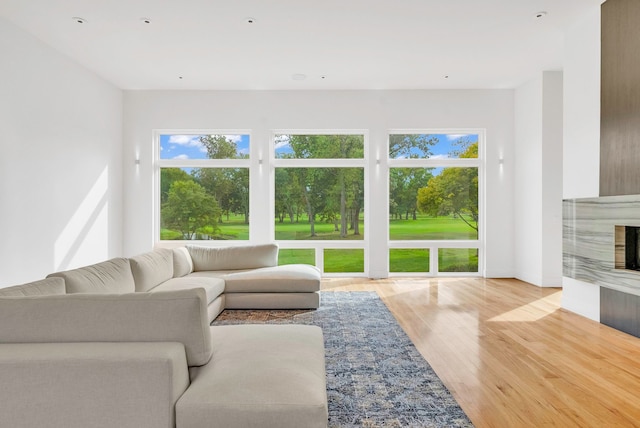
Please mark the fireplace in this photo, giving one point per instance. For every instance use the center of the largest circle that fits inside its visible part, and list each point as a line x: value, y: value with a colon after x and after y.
x: 601, y: 246
x: 627, y: 248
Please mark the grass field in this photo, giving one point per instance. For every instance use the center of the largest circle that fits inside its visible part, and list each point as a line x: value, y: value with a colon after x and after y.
x: 350, y: 260
x: 408, y: 260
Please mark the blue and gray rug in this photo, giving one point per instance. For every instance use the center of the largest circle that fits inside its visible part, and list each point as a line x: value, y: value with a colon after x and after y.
x: 375, y: 375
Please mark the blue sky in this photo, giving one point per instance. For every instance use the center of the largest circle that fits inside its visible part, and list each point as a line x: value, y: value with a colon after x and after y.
x: 182, y: 146
x: 445, y: 145
x: 441, y: 150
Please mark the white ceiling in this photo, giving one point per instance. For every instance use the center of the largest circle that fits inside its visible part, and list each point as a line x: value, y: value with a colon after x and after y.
x: 354, y: 44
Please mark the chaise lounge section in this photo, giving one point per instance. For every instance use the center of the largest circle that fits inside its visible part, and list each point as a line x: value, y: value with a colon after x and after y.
x: 151, y: 360
x: 128, y: 343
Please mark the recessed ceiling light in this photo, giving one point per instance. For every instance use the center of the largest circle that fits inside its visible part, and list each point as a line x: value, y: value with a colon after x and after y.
x: 446, y: 76
x: 540, y: 15
x: 79, y: 20
x: 249, y: 20
x: 299, y: 76
x: 180, y: 77
x: 145, y: 20
x: 323, y: 77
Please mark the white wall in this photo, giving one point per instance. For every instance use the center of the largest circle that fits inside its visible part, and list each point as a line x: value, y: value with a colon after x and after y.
x: 581, y: 159
x: 60, y: 161
x: 538, y: 180
x: 552, y: 134
x: 528, y: 181
x: 375, y: 111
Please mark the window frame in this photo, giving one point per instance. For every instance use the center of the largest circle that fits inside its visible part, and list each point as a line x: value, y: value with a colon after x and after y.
x: 434, y: 245
x: 321, y: 245
x: 159, y: 163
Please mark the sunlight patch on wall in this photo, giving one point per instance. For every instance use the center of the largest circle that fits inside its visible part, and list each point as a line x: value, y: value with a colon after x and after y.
x: 86, y: 230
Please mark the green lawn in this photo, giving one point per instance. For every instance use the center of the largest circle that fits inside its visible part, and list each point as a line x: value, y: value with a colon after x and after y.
x: 287, y: 231
x: 408, y: 260
x: 289, y: 256
x: 343, y: 260
x: 458, y: 259
x: 435, y: 228
x: 350, y: 260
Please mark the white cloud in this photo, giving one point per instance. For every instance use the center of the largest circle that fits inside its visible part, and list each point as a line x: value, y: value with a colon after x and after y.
x: 186, y: 140
x: 282, y: 144
x: 445, y: 156
x: 244, y: 151
x: 234, y: 138
x: 282, y: 141
x: 182, y: 157
x: 453, y: 137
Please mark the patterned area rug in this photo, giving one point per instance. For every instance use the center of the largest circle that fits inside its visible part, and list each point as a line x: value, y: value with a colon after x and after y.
x: 375, y: 375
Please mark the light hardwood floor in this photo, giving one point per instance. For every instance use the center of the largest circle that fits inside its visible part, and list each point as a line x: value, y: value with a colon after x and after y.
x: 510, y: 355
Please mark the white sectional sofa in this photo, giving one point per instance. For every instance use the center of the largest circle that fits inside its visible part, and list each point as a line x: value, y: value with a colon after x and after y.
x: 244, y: 277
x: 101, y: 346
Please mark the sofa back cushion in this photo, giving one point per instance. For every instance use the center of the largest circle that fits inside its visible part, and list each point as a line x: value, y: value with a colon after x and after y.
x: 182, y: 263
x: 43, y: 287
x: 112, y: 276
x: 233, y: 258
x: 152, y: 269
x: 170, y: 316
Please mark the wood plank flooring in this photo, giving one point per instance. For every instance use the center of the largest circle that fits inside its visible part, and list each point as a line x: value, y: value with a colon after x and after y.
x: 510, y: 355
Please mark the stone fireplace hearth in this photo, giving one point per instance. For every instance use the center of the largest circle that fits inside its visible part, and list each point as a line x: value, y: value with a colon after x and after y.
x: 596, y: 232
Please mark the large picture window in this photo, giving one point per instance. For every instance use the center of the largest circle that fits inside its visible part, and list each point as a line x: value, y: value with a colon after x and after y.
x: 203, y: 186
x: 319, y: 196
x: 406, y: 205
x: 433, y: 202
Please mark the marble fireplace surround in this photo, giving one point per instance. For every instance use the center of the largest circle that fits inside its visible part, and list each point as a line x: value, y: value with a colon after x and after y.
x: 589, y: 242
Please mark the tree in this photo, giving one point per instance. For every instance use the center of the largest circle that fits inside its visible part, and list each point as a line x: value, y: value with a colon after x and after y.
x: 288, y: 199
x: 189, y: 208
x: 167, y: 177
x: 411, y: 146
x: 220, y: 147
x: 404, y: 184
x: 229, y: 186
x: 454, y: 191
x: 333, y: 194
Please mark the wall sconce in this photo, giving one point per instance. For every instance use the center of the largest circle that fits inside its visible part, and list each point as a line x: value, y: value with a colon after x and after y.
x: 501, y: 161
x: 137, y: 161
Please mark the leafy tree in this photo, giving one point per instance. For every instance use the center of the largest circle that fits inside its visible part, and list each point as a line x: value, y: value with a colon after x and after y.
x: 229, y: 186
x: 411, y: 146
x: 404, y: 184
x: 167, y: 177
x: 220, y: 147
x: 288, y: 199
x: 454, y: 191
x: 189, y: 208
x: 333, y: 194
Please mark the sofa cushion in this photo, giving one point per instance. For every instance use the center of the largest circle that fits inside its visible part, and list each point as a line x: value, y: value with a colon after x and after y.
x: 43, y: 287
x: 91, y: 385
x: 152, y: 268
x: 111, y: 276
x: 213, y: 287
x: 182, y: 263
x: 268, y: 376
x: 170, y: 316
x: 231, y: 258
x: 277, y: 279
